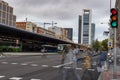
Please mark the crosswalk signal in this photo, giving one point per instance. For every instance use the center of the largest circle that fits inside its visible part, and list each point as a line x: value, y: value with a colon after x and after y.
x: 114, y: 18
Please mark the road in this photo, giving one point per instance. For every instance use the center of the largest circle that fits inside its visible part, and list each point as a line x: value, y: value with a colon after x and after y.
x: 41, y: 68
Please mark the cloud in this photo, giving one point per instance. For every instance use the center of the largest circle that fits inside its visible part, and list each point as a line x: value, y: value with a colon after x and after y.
x: 64, y: 12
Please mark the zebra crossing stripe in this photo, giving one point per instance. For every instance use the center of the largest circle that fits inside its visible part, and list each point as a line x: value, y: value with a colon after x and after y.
x: 2, y: 76
x: 15, y: 78
x: 35, y: 79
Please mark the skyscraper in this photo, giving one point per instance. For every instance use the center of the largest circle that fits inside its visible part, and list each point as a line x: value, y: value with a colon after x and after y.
x: 79, y: 28
x: 85, y: 33
x: 92, y: 32
x: 69, y: 33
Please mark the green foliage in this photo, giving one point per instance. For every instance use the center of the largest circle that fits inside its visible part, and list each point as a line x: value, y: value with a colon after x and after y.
x: 96, y: 45
x: 104, y: 45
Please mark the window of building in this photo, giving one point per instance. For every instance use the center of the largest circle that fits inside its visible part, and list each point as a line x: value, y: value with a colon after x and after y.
x: 4, y: 8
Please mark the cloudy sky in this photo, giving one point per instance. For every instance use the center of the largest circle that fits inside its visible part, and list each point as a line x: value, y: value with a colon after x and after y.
x: 64, y: 12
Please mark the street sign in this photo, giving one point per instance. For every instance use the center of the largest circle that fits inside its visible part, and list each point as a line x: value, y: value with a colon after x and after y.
x: 110, y: 43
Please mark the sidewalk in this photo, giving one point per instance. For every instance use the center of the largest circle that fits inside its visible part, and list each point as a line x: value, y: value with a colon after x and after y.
x: 108, y: 74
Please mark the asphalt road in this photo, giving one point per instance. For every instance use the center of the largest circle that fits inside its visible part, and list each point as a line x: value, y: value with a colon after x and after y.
x: 41, y: 68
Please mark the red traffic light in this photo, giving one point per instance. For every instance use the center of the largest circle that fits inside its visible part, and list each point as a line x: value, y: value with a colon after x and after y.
x: 113, y: 11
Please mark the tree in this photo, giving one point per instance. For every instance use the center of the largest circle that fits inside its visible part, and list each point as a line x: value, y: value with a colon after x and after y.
x: 96, y: 45
x: 104, y: 45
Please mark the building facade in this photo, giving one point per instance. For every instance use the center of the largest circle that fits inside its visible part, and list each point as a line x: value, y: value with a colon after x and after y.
x: 79, y: 29
x: 60, y: 33
x: 32, y: 27
x: 69, y: 33
x: 45, y: 32
x: 29, y: 26
x: 117, y: 5
x: 85, y: 27
x: 92, y: 32
x: 6, y: 14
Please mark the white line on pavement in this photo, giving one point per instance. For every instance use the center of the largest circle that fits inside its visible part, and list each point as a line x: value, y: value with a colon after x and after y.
x: 4, y: 62
x: 15, y: 78
x: 44, y: 65
x: 23, y: 64
x: 91, y: 69
x: 35, y: 79
x: 34, y: 65
x: 2, y: 76
x: 14, y: 63
x: 79, y: 69
x: 63, y: 64
x: 67, y: 67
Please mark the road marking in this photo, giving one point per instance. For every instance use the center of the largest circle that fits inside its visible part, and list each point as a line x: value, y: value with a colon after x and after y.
x: 15, y: 78
x: 62, y: 65
x: 34, y: 65
x: 44, y: 65
x: 23, y: 64
x: 14, y: 63
x: 2, y: 76
x: 35, y: 79
x: 55, y: 66
x: 4, y: 62
x: 91, y: 69
x: 79, y: 69
x: 67, y: 67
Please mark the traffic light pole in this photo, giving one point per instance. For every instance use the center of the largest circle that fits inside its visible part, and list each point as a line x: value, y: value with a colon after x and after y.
x: 115, y: 67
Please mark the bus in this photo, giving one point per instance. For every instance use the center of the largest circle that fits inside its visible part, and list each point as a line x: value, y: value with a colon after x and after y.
x: 49, y: 48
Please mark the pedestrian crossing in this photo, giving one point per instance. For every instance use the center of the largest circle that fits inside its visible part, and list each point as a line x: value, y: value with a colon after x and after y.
x: 3, y: 77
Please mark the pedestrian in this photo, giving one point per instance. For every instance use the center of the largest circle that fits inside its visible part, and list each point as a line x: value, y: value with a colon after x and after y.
x: 70, y: 58
x: 103, y: 57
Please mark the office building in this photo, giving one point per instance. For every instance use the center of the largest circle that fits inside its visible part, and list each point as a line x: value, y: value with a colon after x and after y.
x: 69, y: 33
x: 92, y: 32
x: 79, y: 29
x: 6, y: 14
x: 84, y: 33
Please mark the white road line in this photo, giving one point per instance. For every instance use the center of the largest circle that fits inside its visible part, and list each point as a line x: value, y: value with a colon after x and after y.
x: 14, y: 63
x: 34, y: 64
x: 23, y: 64
x: 15, y: 78
x: 44, y: 65
x: 55, y: 66
x: 35, y: 79
x: 62, y: 65
x: 2, y: 76
x: 91, y: 69
x: 79, y: 69
x: 4, y: 62
x: 67, y: 67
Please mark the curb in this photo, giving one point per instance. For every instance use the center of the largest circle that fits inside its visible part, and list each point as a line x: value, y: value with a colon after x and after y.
x: 27, y: 53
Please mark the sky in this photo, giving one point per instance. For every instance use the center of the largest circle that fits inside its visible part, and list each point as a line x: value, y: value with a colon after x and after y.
x: 64, y: 12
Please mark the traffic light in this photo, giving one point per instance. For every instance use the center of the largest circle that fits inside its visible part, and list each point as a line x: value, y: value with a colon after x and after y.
x: 114, y: 18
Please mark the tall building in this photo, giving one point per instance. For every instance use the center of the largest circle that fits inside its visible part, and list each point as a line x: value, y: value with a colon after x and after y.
x: 84, y: 33
x: 6, y: 14
x: 92, y: 32
x: 79, y: 28
x: 69, y: 33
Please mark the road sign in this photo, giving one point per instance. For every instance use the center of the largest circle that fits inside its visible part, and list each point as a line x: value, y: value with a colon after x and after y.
x: 110, y: 43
